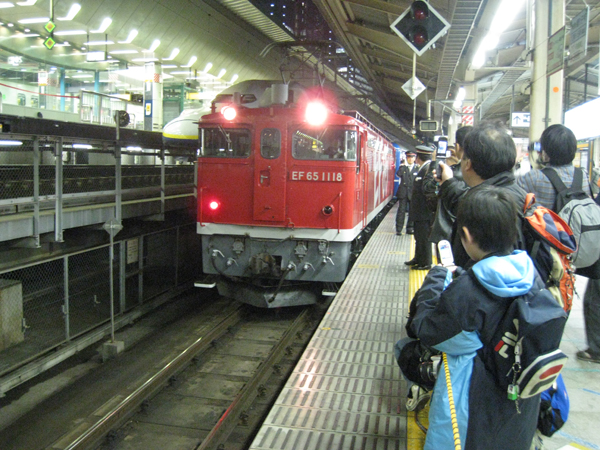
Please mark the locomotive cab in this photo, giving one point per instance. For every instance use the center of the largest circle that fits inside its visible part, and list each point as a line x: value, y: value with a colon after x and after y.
x: 284, y: 191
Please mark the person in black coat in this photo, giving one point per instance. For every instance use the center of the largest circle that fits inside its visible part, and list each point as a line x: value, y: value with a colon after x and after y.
x: 488, y: 159
x: 406, y: 173
x: 421, y: 211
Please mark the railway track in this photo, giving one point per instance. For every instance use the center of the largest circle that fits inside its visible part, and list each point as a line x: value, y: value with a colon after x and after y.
x: 212, y: 394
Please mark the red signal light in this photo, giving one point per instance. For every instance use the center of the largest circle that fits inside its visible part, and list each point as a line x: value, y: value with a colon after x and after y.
x: 419, y: 36
x: 214, y: 205
x: 419, y: 10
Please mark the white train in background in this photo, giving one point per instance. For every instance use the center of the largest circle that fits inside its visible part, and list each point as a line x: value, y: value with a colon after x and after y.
x: 183, y: 131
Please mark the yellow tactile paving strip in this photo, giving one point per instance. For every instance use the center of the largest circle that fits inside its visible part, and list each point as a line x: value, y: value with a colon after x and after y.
x: 415, y: 438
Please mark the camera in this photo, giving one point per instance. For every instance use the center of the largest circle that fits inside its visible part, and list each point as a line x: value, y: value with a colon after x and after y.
x: 428, y: 370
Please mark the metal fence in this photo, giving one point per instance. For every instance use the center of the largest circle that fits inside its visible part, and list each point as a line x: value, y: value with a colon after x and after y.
x: 47, y: 304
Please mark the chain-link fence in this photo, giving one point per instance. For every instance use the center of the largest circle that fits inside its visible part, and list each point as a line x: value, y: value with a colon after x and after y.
x: 47, y: 304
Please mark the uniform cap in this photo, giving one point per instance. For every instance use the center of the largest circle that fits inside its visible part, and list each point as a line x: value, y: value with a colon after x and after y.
x: 424, y: 149
x: 411, y: 153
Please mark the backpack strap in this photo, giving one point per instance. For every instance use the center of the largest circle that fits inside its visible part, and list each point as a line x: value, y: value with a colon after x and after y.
x: 554, y: 179
x: 559, y: 186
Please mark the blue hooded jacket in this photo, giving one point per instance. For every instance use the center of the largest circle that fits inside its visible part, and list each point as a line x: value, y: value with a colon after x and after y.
x: 459, y: 317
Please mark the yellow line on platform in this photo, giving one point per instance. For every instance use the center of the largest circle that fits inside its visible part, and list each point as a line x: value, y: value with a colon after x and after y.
x: 415, y: 438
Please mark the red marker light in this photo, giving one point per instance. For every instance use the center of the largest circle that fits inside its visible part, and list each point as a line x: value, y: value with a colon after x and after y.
x: 229, y: 113
x: 316, y: 113
x: 214, y: 205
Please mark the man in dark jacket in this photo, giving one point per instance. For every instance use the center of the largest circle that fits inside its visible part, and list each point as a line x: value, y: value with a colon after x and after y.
x: 421, y: 212
x: 406, y: 174
x: 488, y: 159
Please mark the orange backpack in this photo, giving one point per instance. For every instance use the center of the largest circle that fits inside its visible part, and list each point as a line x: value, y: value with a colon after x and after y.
x: 550, y: 243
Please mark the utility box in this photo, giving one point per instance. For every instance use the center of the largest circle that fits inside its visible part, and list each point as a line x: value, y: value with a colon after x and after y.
x: 11, y: 313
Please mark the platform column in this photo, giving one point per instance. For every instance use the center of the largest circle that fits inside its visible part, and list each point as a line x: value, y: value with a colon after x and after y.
x: 153, y: 97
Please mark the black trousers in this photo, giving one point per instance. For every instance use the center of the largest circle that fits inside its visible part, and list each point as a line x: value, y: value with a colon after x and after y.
x: 422, y: 243
x: 401, y: 213
x: 403, y: 207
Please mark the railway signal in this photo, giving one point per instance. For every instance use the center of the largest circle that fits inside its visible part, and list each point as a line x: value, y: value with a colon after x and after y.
x: 420, y: 26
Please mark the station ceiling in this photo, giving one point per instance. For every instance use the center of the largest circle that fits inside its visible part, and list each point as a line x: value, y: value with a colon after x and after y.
x: 232, y: 34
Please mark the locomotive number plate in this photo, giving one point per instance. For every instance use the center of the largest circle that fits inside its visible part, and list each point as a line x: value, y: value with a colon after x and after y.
x: 296, y: 175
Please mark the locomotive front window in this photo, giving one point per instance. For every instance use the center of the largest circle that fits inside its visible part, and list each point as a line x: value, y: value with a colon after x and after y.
x: 270, y: 143
x: 226, y: 142
x: 327, y: 143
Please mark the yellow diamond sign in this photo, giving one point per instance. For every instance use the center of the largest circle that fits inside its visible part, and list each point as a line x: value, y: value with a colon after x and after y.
x: 49, y: 43
x: 50, y: 26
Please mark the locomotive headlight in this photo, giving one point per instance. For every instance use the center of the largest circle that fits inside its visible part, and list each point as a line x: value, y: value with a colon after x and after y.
x: 214, y: 205
x: 316, y: 113
x: 229, y: 113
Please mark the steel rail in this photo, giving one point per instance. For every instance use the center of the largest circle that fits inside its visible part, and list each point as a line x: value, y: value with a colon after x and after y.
x: 115, y: 418
x: 228, y: 421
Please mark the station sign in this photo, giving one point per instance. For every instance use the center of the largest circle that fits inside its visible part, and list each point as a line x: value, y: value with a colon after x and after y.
x: 520, y: 120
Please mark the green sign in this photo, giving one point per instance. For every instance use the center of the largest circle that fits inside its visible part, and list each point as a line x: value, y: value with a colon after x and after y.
x: 50, y: 26
x: 49, y: 43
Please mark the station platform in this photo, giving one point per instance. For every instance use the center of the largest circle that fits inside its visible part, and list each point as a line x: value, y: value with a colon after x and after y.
x: 347, y: 391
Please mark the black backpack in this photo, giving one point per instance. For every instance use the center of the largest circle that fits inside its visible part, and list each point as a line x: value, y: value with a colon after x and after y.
x: 524, y: 354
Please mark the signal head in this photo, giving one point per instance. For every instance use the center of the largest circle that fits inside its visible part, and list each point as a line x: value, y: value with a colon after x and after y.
x: 419, y: 10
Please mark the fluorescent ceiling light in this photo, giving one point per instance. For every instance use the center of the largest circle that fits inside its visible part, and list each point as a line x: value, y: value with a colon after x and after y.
x: 208, y: 67
x: 169, y: 66
x: 27, y: 3
x: 11, y: 143
x: 82, y: 76
x: 154, y: 45
x: 144, y: 59
x: 234, y: 78
x: 180, y: 72
x: 98, y: 43
x: 191, y: 62
x: 130, y: 37
x: 504, y: 16
x: 123, y: 52
x: 35, y: 20
x: 22, y: 35
x: 69, y: 32
x: 103, y: 26
x: 173, y: 54
x: 221, y: 73
x: 75, y: 8
x: 86, y: 146
x: 6, y: 5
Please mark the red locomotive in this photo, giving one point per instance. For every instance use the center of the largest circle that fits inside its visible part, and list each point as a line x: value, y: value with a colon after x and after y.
x: 286, y: 185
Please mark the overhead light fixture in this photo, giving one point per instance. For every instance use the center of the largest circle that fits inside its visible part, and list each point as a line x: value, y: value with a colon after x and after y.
x: 6, y: 5
x: 154, y: 45
x: 98, y: 43
x: 23, y: 35
x: 84, y: 146
x: 144, y: 59
x: 34, y: 20
x: 123, y: 52
x: 169, y: 66
x: 69, y: 32
x: 504, y: 16
x: 180, y: 72
x: 27, y: 3
x: 11, y: 143
x: 130, y: 37
x: 234, y: 78
x: 103, y: 26
x: 173, y: 54
x: 460, y: 96
x: 75, y: 8
x: 221, y: 73
x: 208, y: 67
x: 191, y: 62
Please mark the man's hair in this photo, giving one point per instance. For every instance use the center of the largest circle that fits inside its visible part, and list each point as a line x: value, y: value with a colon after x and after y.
x: 491, y: 150
x: 559, y: 143
x: 490, y: 213
x: 461, y: 135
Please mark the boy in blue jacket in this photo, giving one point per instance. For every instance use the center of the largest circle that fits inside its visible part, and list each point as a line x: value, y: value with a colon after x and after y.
x: 459, y: 316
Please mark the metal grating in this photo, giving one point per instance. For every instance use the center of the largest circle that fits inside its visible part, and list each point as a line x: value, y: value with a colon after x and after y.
x: 347, y: 391
x: 462, y: 22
